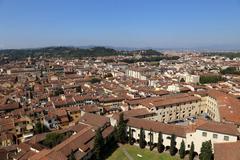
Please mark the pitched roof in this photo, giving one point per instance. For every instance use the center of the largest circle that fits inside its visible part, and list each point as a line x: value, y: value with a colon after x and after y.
x: 229, y: 106
x: 94, y: 120
x: 10, y: 106
x: 6, y: 124
x: 157, y: 126
x: 164, y: 100
x: 60, y: 152
x: 227, y: 151
x: 137, y: 112
x: 224, y: 128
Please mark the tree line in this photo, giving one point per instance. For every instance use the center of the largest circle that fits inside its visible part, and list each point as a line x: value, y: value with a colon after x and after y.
x: 150, y: 59
x: 63, y: 52
x: 230, y: 70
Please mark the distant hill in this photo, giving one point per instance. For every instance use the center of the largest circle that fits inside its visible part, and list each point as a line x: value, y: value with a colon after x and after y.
x: 230, y: 55
x: 65, y: 52
x: 72, y: 52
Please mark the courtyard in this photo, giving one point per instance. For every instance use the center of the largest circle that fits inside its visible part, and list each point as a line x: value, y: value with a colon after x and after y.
x: 128, y: 152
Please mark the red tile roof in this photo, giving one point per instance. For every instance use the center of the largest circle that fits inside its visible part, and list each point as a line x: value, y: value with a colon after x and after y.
x: 157, y: 126
x: 227, y: 151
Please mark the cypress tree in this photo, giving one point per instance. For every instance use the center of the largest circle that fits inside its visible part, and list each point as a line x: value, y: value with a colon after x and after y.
x: 130, y: 136
x: 182, y: 151
x: 182, y: 80
x: 160, y: 145
x: 115, y: 133
x: 141, y: 139
x: 206, y: 151
x: 72, y: 157
x: 191, y: 152
x: 122, y: 134
x: 98, y: 145
x: 172, y: 145
x: 151, y: 140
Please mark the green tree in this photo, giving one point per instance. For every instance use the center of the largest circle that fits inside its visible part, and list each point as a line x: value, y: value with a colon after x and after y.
x: 79, y: 89
x: 115, y: 133
x: 182, y: 80
x: 95, y: 80
x: 40, y: 128
x: 182, y: 151
x: 206, y: 151
x: 151, y: 145
x: 98, y: 145
x: 172, y: 145
x: 108, y: 75
x: 58, y: 91
x: 141, y: 138
x: 72, y: 157
x: 52, y: 139
x: 230, y: 70
x: 191, y: 152
x: 160, y: 145
x: 130, y: 136
x: 16, y: 79
x: 41, y: 73
x: 122, y: 132
x: 210, y: 79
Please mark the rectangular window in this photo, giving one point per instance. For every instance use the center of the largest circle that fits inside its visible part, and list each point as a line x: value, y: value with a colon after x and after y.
x: 215, y: 136
x: 204, y: 134
x: 226, y: 138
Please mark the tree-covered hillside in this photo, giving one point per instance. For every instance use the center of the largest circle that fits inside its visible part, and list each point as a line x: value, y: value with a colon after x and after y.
x: 64, y: 52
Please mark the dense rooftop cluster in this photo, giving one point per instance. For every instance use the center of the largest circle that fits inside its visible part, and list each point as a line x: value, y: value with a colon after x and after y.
x: 195, y: 98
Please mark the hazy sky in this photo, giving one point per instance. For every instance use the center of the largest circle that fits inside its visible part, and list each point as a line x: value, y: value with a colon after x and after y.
x: 120, y: 23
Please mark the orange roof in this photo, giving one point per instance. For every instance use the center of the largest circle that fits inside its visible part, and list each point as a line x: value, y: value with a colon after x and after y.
x: 228, y: 105
x: 157, y: 126
x: 227, y: 151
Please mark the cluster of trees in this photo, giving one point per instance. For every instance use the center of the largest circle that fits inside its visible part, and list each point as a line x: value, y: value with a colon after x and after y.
x: 58, y: 91
x: 102, y: 147
x: 230, y: 70
x: 230, y: 55
x: 40, y: 128
x: 150, y: 59
x: 182, y: 151
x: 78, y: 89
x: 119, y: 135
x: 206, y: 151
x: 72, y: 156
x: 53, y: 139
x: 210, y: 79
x: 95, y: 80
x: 99, y: 145
x: 108, y: 75
x: 64, y: 52
x: 151, y: 52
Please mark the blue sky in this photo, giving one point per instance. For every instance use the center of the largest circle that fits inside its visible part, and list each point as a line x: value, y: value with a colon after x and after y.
x: 120, y: 23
